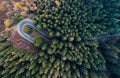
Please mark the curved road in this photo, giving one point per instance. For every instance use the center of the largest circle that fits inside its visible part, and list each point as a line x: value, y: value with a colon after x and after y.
x: 104, y: 37
x: 27, y: 22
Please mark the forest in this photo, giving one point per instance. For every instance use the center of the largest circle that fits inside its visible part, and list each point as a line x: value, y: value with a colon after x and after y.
x: 71, y: 39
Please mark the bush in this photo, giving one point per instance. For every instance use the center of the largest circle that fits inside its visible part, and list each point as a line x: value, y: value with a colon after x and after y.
x: 17, y: 18
x: 28, y: 29
x: 38, y: 41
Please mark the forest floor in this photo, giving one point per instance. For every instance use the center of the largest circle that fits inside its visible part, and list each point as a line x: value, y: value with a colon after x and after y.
x: 9, y: 8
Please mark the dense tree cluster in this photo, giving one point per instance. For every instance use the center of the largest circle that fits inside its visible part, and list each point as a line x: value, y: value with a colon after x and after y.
x: 70, y: 54
x: 72, y: 23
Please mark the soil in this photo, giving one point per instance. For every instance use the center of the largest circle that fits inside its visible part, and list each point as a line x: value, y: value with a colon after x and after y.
x: 19, y: 42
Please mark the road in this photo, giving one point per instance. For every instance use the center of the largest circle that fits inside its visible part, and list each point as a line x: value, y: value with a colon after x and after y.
x: 27, y: 22
x: 104, y: 37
